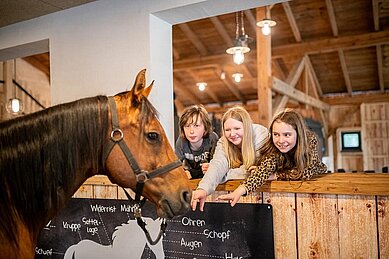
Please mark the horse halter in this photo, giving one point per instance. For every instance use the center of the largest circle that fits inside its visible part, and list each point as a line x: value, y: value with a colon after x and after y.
x: 142, y: 176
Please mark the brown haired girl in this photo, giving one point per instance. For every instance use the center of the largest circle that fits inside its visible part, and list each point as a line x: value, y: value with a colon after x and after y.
x: 290, y: 153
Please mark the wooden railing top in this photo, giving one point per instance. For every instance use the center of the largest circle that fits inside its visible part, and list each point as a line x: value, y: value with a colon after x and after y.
x: 331, y: 183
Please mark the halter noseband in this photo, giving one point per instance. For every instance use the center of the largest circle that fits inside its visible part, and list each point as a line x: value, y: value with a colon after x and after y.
x: 142, y: 176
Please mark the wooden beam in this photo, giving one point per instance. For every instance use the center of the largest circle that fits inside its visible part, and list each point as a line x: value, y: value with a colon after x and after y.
x: 251, y: 18
x: 295, y: 49
x: 279, y: 69
x: 180, y: 89
x: 179, y: 106
x: 371, y: 97
x: 38, y: 65
x: 333, y: 183
x: 323, y: 117
x: 207, y: 61
x: 332, y: 44
x: 376, y: 14
x: 292, y: 80
x: 222, y: 31
x: 292, y: 21
x: 176, y: 54
x: 193, y: 38
x: 230, y: 85
x: 331, y: 15
x: 264, y: 73
x: 283, y: 88
x: 314, y: 76
x: 208, y: 89
x: 252, y: 107
x: 295, y: 73
x: 380, y: 64
x: 345, y: 72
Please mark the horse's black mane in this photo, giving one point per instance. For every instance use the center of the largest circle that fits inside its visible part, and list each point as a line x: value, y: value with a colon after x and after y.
x: 40, y: 155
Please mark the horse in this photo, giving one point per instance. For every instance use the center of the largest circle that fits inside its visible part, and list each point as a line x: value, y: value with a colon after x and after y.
x: 128, y: 241
x: 46, y: 156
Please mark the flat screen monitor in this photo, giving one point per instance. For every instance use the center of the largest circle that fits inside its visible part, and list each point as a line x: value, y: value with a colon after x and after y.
x: 351, y: 141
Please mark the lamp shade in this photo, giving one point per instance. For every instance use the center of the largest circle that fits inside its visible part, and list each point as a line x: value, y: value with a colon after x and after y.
x: 14, y: 106
x: 266, y: 25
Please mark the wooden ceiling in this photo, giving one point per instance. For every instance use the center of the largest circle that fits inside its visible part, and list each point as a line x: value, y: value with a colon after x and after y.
x: 325, y: 51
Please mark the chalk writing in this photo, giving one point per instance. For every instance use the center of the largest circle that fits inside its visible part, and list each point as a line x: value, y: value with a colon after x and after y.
x: 40, y: 251
x: 73, y: 226
x: 227, y: 256
x: 191, y: 244
x: 192, y: 222
x: 93, y: 222
x: 213, y: 234
x: 101, y: 208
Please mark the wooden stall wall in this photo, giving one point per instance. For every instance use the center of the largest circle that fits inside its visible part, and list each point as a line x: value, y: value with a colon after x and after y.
x: 344, y: 116
x: 33, y: 81
x: 348, y: 161
x: 375, y: 135
x: 311, y: 225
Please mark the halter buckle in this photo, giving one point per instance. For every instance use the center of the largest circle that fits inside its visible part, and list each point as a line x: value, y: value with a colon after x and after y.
x: 142, y: 177
x: 137, y: 211
x: 116, y: 135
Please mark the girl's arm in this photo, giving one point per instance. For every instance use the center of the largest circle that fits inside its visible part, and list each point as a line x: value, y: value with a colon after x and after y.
x: 259, y: 174
x: 217, y: 170
x: 316, y: 166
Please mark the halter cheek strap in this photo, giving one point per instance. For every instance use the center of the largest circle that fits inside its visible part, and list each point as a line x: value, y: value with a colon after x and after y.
x: 142, y: 176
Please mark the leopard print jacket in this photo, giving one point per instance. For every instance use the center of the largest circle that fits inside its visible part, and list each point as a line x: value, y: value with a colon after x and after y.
x: 272, y: 164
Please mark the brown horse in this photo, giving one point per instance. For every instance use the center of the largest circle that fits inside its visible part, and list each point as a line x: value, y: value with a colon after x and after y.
x: 46, y: 156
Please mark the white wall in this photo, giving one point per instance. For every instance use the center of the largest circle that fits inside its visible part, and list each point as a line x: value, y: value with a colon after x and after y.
x: 98, y: 48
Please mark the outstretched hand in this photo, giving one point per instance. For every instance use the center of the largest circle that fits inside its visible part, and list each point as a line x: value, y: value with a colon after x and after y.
x: 198, y: 196
x: 233, y: 197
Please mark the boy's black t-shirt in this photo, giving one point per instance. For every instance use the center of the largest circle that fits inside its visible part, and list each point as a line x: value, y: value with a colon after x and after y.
x: 192, y: 160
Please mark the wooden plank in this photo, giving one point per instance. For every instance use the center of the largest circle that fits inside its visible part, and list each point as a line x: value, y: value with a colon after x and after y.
x: 357, y: 227
x: 191, y: 35
x: 369, y: 97
x: 284, y: 223
x: 105, y: 192
x: 345, y: 71
x: 332, y: 17
x: 85, y: 191
x: 317, y: 226
x: 122, y: 195
x: 292, y: 21
x: 330, y: 45
x: 283, y: 88
x: 383, y: 225
x: 332, y: 183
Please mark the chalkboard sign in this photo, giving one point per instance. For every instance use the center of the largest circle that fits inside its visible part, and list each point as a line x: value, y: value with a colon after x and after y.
x: 101, y: 228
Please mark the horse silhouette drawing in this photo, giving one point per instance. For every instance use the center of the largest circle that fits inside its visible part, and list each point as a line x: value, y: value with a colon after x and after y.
x: 128, y: 241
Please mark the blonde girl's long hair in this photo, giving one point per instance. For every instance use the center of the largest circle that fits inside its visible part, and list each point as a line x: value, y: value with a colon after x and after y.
x: 246, y: 155
x: 301, y: 156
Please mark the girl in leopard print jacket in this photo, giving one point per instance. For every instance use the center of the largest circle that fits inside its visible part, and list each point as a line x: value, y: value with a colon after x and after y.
x: 290, y: 153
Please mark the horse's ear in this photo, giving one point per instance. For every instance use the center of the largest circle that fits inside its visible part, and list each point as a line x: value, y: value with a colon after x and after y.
x: 147, y: 90
x: 139, y: 89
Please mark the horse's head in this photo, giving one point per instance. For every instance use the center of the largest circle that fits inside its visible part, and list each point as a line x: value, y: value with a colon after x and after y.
x: 148, y: 145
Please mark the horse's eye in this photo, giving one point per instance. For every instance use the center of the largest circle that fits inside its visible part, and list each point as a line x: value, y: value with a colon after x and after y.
x: 152, y: 136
